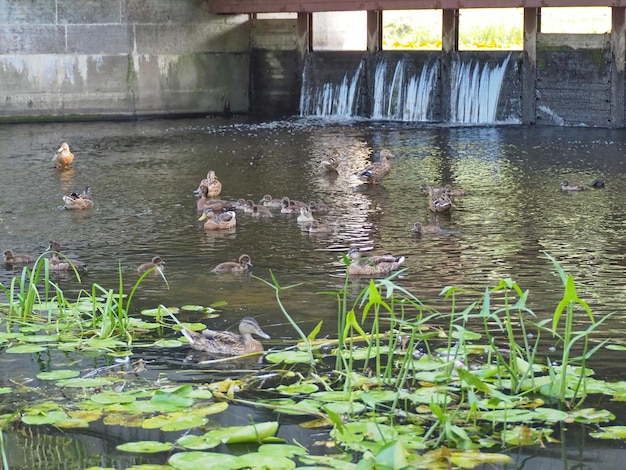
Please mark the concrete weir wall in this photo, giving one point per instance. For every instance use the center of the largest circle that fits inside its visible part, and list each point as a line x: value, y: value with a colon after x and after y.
x: 126, y: 59
x: 120, y: 58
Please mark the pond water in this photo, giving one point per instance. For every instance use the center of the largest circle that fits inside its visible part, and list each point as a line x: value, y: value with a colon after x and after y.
x: 143, y: 174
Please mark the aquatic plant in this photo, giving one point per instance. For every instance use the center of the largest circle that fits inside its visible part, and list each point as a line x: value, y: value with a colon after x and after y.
x: 403, y: 383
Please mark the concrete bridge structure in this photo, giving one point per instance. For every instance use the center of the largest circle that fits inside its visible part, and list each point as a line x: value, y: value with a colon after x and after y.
x: 127, y: 59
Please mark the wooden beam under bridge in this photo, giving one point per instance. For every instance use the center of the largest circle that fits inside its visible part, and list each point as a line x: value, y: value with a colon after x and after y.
x: 312, y: 6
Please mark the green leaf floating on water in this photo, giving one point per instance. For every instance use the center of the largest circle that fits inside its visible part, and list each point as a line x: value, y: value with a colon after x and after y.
x: 297, y: 388
x: 237, y: 434
x: 175, y: 421
x: 5, y: 390
x: 58, y: 374
x: 196, y: 460
x: 289, y: 357
x: 259, y: 460
x: 25, y: 348
x: 109, y: 398
x: 610, y: 432
x: 51, y: 417
x: 145, y: 447
x: 84, y: 383
x: 285, y: 450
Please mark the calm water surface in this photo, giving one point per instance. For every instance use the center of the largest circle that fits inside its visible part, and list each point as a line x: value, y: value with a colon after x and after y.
x: 143, y: 175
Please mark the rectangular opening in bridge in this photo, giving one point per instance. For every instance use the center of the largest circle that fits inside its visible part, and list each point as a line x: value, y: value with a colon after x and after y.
x: 491, y: 29
x: 412, y: 30
x: 576, y: 20
x: 340, y: 31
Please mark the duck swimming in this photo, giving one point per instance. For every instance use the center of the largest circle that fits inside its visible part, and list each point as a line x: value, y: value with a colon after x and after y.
x: 425, y: 229
x: 213, y: 185
x: 379, y: 265
x: 65, y: 264
x: 330, y: 164
x: 156, y: 263
x: 226, y: 343
x: 14, y: 259
x: 234, y: 267
x: 567, y: 186
x: 63, y: 157
x: 221, y: 221
x: 376, y: 171
x: 269, y: 201
x: 79, y: 201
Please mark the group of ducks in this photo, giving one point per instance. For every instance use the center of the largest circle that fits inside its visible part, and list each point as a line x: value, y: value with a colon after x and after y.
x: 218, y: 214
x: 55, y: 262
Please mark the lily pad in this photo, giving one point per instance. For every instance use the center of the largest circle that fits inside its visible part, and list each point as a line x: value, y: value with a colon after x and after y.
x: 108, y: 398
x: 83, y: 383
x: 259, y: 460
x: 58, y: 374
x: 289, y: 357
x: 25, y: 349
x: 174, y: 422
x: 51, y: 417
x: 195, y: 460
x: 145, y: 447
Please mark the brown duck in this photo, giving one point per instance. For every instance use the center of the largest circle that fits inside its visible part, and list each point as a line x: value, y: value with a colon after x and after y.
x: 226, y: 343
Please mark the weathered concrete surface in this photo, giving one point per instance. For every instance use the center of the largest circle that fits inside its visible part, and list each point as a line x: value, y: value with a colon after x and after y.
x: 276, y: 68
x: 120, y: 58
x: 574, y: 80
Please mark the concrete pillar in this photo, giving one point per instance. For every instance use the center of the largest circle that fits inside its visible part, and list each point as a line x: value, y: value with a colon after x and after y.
x: 304, y: 32
x: 618, y: 56
x: 374, y: 31
x: 374, y: 45
x: 449, y: 47
x: 529, y: 65
x: 450, y: 30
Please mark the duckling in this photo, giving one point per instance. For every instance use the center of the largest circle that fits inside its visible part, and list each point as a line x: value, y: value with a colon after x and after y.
x: 373, y: 265
x: 455, y: 192
x: 330, y: 164
x: 156, y: 263
x: 567, y: 186
x: 316, y: 227
x: 431, y: 190
x: 242, y: 205
x: 261, y: 211
x: 305, y: 216
x: 234, y: 267
x: 221, y: 221
x: 14, y: 259
x: 226, y: 343
x: 269, y: 201
x: 63, y: 157
x: 318, y: 208
x: 213, y: 185
x: 79, y: 201
x: 376, y: 171
x: 425, y: 229
x: 291, y: 206
x: 65, y: 264
x: 255, y: 210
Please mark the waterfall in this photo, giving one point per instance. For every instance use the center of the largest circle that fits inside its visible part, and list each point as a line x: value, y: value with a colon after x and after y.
x: 406, y: 97
x: 330, y: 99
x: 475, y: 91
